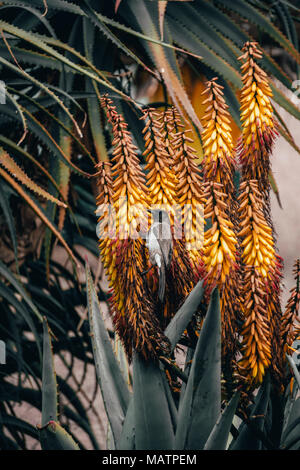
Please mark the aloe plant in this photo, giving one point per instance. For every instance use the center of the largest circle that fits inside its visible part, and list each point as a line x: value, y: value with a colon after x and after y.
x: 43, y: 60
x: 52, y: 435
x: 148, y: 418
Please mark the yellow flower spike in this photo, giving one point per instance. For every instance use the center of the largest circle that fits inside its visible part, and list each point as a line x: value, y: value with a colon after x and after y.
x: 218, y: 162
x: 132, y: 306
x: 259, y: 279
x: 259, y: 128
x: 189, y: 192
x: 160, y: 180
x: 220, y: 252
x: 163, y: 179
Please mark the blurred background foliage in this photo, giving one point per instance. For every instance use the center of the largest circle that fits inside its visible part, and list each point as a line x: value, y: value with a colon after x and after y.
x: 57, y: 57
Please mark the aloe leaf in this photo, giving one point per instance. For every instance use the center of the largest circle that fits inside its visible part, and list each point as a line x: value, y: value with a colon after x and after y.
x: 54, y: 437
x: 65, y: 140
x: 50, y: 211
x: 146, y: 22
x: 153, y: 422
x: 288, y: 409
x: 247, y: 438
x: 113, y: 387
x: 6, y: 293
x: 44, y: 135
x: 291, y: 437
x: 8, y: 275
x: 191, y: 42
x: 294, y: 368
x: 222, y: 22
x: 127, y: 440
x: 201, y: 404
x: 171, y: 403
x: 275, y: 188
x: 36, y: 127
x: 22, y: 153
x: 21, y: 115
x: 184, y: 315
x: 187, y: 368
x: 122, y: 358
x: 94, y: 102
x: 233, y: 31
x: 18, y: 425
x: 49, y: 386
x: 143, y: 36
x: 284, y: 102
x: 288, y: 23
x: 161, y: 13
x: 37, y: 209
x: 192, y: 19
x: 13, y: 168
x: 31, y: 10
x: 218, y: 438
x: 245, y: 10
x: 54, y: 5
x: 37, y: 104
x: 83, y: 424
x: 42, y: 42
x: 33, y: 58
x: 96, y: 19
x: 46, y: 89
x: 5, y: 206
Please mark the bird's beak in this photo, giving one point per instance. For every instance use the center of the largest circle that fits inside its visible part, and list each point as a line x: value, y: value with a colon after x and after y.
x: 149, y: 210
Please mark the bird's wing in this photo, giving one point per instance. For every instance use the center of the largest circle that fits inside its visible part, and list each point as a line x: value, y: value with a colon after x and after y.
x: 166, y: 249
x: 165, y: 244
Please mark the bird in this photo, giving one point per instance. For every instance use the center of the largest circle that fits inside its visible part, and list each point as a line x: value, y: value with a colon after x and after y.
x: 159, y: 242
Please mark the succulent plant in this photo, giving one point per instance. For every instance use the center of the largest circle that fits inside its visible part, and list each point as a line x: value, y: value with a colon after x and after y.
x: 148, y: 414
x: 57, y: 125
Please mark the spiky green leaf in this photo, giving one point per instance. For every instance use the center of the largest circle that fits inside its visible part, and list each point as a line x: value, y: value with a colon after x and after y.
x: 201, y: 405
x: 153, y: 422
x: 49, y: 386
x: 184, y: 315
x: 218, y: 438
x: 113, y: 387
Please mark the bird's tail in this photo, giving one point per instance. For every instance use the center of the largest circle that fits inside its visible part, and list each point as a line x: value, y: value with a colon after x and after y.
x: 162, y: 282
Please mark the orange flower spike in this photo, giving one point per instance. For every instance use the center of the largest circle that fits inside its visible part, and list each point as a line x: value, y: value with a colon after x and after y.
x: 257, y: 233
x: 163, y: 187
x: 260, y: 285
x: 105, y: 197
x: 220, y: 258
x: 132, y: 305
x: 189, y: 187
x: 108, y: 243
x: 257, y: 243
x: 218, y: 163
x: 128, y: 178
x: 259, y: 129
x: 220, y: 243
x: 256, y: 338
x: 161, y: 179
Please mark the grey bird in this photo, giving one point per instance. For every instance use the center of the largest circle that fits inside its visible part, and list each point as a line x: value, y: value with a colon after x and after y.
x: 160, y: 245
